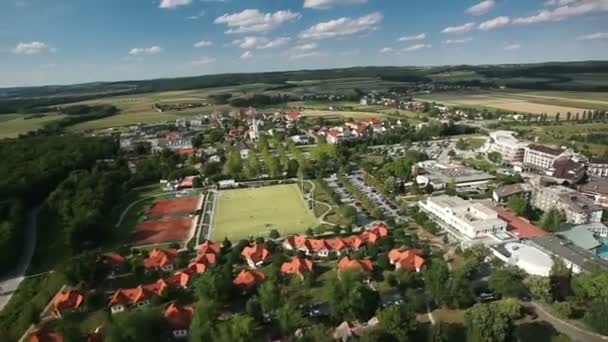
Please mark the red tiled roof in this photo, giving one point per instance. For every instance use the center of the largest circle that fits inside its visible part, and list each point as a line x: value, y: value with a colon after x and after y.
x: 178, y: 317
x: 248, y: 278
x: 209, y: 247
x: 298, y: 241
x: 348, y: 263
x: 139, y: 293
x: 186, y: 151
x: 160, y: 258
x: 178, y: 279
x: 46, y: 335
x: 519, y: 226
x: 67, y: 300
x: 409, y: 259
x: 187, y: 182
x: 336, y: 244
x: 297, y: 266
x: 196, y: 268
x: 112, y: 259
x: 257, y: 252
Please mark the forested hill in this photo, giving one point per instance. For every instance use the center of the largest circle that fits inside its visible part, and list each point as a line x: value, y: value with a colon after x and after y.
x: 554, y: 75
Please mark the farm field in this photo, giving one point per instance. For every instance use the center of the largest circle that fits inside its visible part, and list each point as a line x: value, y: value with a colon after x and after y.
x: 249, y: 212
x: 346, y: 114
x: 16, y: 124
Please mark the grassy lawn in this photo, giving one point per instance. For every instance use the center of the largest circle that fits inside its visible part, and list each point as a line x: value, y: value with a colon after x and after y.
x: 255, y: 211
x: 337, y: 113
x: 11, y: 125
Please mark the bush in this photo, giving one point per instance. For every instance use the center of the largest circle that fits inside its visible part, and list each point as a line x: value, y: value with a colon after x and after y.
x: 563, y: 309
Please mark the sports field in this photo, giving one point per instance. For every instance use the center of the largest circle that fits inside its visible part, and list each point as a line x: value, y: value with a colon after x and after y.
x: 163, y: 230
x: 172, y: 206
x: 255, y: 211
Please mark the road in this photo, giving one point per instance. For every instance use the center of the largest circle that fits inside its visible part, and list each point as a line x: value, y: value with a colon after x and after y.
x: 10, y: 282
x: 572, y: 331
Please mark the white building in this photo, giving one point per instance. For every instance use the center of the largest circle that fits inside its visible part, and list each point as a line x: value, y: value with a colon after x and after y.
x: 511, y: 149
x: 541, y: 157
x: 575, y: 206
x: 530, y: 259
x: 472, y: 219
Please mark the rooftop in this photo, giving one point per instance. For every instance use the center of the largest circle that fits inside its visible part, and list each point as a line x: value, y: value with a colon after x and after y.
x: 519, y: 226
x: 595, y: 185
x: 569, y: 251
x: 546, y: 149
x: 582, y: 237
x: 512, y: 189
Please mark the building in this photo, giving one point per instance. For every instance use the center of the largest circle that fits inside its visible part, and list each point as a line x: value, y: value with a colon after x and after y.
x: 45, y: 334
x: 541, y: 157
x: 576, y: 258
x: 598, y: 167
x: 530, y: 259
x: 255, y: 255
x: 178, y: 280
x: 576, y: 207
x: 504, y: 193
x: 409, y: 259
x: 248, y: 279
x: 519, y: 226
x: 510, y: 148
x: 298, y: 266
x: 463, y: 219
x: 348, y: 263
x: 178, y: 319
x: 568, y: 170
x: 138, y: 296
x: 160, y: 259
x: 596, y: 188
x: 439, y: 175
x: 65, y: 301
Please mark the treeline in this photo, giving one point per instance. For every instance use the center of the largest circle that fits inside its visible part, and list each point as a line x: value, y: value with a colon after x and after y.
x: 79, y: 206
x: 31, y: 169
x: 410, y: 134
x: 99, y: 110
x: 258, y: 100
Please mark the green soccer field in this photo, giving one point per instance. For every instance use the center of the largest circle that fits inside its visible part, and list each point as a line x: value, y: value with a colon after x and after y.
x: 249, y: 212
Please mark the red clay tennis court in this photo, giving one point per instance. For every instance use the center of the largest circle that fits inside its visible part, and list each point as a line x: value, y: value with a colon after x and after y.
x: 172, y: 206
x: 163, y: 230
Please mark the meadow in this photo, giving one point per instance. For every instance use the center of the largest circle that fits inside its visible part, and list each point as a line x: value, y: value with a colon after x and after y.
x: 242, y: 213
x: 11, y: 125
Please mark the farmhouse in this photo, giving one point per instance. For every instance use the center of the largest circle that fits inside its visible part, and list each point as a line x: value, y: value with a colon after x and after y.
x: 178, y: 319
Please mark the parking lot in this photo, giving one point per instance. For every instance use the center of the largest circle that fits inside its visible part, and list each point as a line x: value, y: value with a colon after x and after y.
x: 363, y: 216
x: 386, y: 206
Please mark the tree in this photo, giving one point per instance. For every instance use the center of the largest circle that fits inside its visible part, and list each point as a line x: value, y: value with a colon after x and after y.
x: 563, y: 309
x: 495, y: 157
x: 239, y: 328
x: 518, y: 204
x: 435, y: 280
x: 289, y: 318
x: 597, y: 316
x: 254, y: 309
x: 253, y: 165
x: 349, y: 297
x: 540, y: 288
x: 137, y: 325
x: 398, y: 321
x: 485, y: 323
x: 197, y: 182
x: 557, y: 116
x: 450, y: 187
x: 460, y: 290
x: 269, y: 296
x: 551, y: 220
x: 215, y: 284
x: 461, y: 144
x: 274, y: 234
x: 507, y: 281
x: 509, y: 307
x: 233, y: 165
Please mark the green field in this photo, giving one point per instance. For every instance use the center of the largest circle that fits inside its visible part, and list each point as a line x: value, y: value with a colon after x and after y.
x: 249, y: 212
x: 11, y: 125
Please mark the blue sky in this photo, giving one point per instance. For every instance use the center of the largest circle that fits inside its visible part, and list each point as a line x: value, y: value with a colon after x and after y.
x: 71, y: 41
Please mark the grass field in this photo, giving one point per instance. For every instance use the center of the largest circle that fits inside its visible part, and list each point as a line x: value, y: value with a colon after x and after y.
x: 344, y: 114
x: 550, y: 102
x: 255, y: 211
x: 560, y: 134
x: 11, y: 125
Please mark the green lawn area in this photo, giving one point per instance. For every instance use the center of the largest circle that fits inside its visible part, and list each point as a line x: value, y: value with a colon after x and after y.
x: 11, y: 125
x: 255, y: 211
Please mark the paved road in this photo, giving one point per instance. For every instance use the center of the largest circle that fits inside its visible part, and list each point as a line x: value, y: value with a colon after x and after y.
x: 572, y: 331
x: 10, y: 282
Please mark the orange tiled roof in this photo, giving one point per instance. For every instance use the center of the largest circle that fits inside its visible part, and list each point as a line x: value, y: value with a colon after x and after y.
x: 46, y: 335
x: 139, y: 293
x: 178, y: 279
x: 160, y: 257
x: 336, y: 244
x: 196, y: 268
x: 299, y: 241
x: 248, y: 278
x: 178, y: 317
x: 348, y: 263
x: 208, y: 259
x: 209, y: 247
x: 409, y: 259
x: 257, y: 252
x: 68, y: 300
x: 297, y: 265
x: 111, y: 259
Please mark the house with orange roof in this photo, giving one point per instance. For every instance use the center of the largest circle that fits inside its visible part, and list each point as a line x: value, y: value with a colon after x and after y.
x: 138, y: 296
x: 209, y: 247
x: 178, y: 280
x: 196, y: 268
x: 319, y: 247
x: 45, y: 334
x: 337, y: 246
x: 408, y: 259
x: 161, y: 259
x: 178, y: 319
x: 354, y: 242
x: 248, y: 279
x: 297, y: 243
x: 347, y: 263
x: 255, y: 255
x: 65, y: 301
x: 297, y: 266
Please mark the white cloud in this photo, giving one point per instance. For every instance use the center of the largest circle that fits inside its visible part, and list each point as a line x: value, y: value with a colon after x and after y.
x: 252, y: 20
x: 301, y: 55
x: 171, y: 4
x: 593, y: 36
x: 513, y: 46
x: 153, y: 50
x: 326, y: 4
x: 495, y: 23
x: 247, y: 55
x: 342, y: 27
x: 459, y: 29
x: 387, y: 50
x: 203, y: 43
x: 305, y: 47
x: 566, y: 9
x: 481, y: 8
x: 416, y: 47
x: 261, y: 42
x: 420, y: 36
x: 32, y: 48
x: 559, y: 2
x: 203, y: 61
x: 304, y: 50
x: 458, y: 41
x: 197, y: 16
